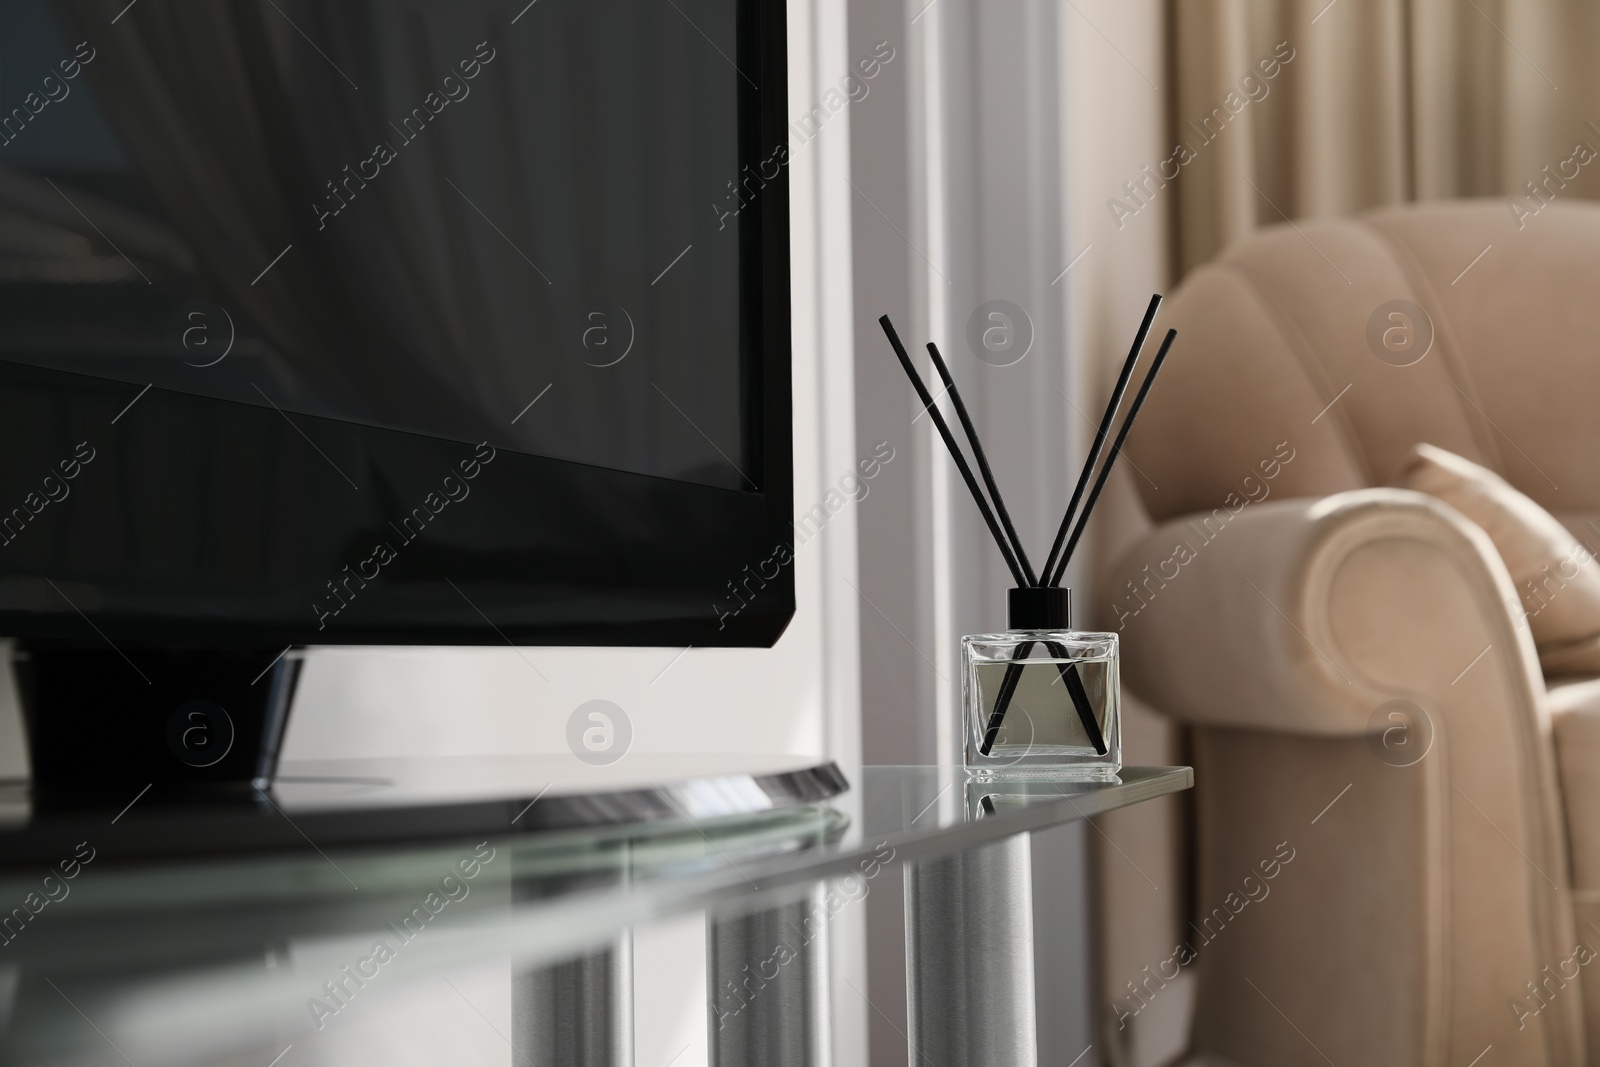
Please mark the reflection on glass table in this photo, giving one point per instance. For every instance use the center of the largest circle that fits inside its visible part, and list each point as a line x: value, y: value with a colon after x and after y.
x: 520, y: 948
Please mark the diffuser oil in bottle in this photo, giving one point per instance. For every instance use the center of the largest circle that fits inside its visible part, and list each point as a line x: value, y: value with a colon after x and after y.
x: 1042, y: 702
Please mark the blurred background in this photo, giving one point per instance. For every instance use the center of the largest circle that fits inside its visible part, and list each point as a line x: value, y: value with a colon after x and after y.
x: 1012, y: 179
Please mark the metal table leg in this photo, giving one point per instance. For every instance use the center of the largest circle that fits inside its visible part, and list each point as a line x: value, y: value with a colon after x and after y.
x: 767, y: 976
x: 578, y: 1013
x: 969, y: 957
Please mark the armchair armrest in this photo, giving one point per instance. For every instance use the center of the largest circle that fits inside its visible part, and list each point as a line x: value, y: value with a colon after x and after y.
x: 1305, y: 615
x: 1430, y: 884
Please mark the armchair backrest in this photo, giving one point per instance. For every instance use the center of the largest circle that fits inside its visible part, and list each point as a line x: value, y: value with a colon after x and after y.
x: 1305, y: 334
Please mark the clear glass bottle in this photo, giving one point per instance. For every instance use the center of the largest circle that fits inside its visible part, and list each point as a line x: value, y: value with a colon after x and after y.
x: 1042, y: 700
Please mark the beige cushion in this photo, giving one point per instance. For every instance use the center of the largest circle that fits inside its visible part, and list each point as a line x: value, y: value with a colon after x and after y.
x: 1556, y: 575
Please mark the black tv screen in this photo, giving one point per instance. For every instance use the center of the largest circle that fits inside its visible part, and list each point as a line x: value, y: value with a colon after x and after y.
x: 417, y: 322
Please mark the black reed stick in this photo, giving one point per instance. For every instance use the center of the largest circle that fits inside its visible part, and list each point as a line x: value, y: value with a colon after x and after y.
x: 1002, y: 700
x: 955, y: 451
x: 1080, y: 697
x: 983, y: 461
x: 1111, y: 460
x: 1104, y: 429
x: 1013, y: 674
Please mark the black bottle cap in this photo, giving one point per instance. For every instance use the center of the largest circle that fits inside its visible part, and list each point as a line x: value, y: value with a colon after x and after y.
x: 1041, y: 608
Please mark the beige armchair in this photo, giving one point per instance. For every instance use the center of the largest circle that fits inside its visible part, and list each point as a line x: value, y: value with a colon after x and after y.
x: 1443, y: 897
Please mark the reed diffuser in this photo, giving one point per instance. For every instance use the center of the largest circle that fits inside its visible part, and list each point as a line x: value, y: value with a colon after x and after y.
x: 1040, y: 699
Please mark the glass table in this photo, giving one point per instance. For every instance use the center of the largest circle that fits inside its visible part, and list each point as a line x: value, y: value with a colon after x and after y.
x: 714, y: 914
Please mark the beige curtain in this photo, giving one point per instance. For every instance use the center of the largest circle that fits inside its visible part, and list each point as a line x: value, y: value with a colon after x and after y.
x: 1378, y: 102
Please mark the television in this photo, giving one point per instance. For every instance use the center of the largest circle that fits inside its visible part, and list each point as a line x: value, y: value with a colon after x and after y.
x: 424, y: 322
